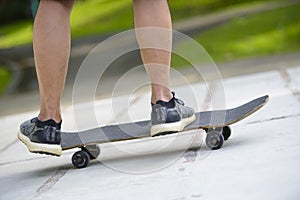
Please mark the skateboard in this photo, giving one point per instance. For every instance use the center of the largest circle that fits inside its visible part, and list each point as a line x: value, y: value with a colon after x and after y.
x: 215, y: 123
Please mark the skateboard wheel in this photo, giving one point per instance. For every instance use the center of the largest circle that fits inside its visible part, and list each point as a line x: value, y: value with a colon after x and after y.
x: 92, y: 150
x: 214, y: 140
x: 80, y: 159
x: 226, y: 132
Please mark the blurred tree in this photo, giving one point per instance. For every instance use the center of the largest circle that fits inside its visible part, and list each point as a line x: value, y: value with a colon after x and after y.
x: 14, y: 10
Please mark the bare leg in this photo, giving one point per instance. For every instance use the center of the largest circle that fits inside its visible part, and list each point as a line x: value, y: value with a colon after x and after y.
x: 51, y: 43
x: 155, y: 13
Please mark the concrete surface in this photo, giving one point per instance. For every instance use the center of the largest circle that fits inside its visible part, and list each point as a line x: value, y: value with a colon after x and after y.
x: 260, y: 161
x: 26, y: 102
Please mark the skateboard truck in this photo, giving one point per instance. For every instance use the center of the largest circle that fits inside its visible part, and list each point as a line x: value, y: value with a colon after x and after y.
x: 81, y: 159
x: 216, y: 136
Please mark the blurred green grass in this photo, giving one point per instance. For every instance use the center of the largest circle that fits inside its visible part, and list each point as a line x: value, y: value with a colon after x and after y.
x: 5, y: 78
x: 272, y: 32
x: 92, y: 17
x: 16, y: 34
x: 267, y: 33
x: 101, y: 16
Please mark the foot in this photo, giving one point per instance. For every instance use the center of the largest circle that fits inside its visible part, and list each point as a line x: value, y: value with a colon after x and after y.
x: 172, y: 116
x: 41, y: 137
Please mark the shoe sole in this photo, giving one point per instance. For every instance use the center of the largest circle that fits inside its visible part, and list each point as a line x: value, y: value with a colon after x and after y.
x: 33, y: 147
x: 163, y: 129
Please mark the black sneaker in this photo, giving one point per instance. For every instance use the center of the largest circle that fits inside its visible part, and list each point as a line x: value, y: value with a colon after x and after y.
x: 172, y: 116
x: 41, y: 137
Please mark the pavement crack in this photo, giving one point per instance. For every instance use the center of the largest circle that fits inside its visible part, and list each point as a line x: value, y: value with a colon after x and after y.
x: 47, y: 185
x: 274, y: 118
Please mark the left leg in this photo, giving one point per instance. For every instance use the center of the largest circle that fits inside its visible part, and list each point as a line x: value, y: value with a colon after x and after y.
x: 168, y: 113
x: 155, y: 13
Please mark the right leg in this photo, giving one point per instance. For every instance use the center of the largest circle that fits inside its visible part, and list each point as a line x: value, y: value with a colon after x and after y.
x: 51, y: 44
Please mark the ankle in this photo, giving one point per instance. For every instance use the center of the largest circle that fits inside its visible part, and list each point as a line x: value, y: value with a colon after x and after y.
x: 50, y: 112
x: 166, y: 97
x: 47, y: 116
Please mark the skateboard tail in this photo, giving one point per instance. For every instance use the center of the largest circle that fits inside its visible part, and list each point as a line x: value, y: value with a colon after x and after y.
x: 221, y: 118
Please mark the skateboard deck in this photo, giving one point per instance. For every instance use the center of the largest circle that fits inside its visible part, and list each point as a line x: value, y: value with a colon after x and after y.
x: 215, y: 123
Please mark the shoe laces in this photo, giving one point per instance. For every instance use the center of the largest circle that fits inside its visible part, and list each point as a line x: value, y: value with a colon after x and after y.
x: 179, y: 101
